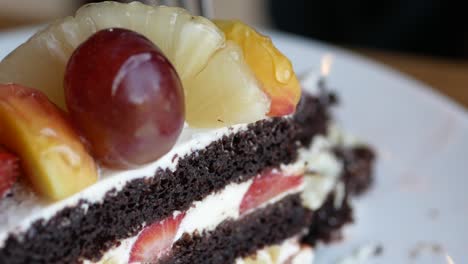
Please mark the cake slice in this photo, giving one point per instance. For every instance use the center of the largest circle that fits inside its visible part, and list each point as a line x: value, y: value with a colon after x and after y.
x: 253, y: 176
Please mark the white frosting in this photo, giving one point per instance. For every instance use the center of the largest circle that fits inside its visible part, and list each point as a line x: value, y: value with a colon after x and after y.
x: 117, y: 255
x: 340, y: 194
x: 305, y: 256
x: 316, y: 190
x: 323, y: 172
x: 288, y: 249
x: 214, y: 209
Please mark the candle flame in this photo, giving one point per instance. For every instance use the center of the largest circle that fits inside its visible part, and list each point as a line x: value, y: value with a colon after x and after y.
x: 326, y: 64
x: 449, y: 259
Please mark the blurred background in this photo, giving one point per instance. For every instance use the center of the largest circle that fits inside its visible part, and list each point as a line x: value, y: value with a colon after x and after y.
x: 427, y: 39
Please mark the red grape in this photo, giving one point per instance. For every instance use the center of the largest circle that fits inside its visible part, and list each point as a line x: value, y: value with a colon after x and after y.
x: 125, y: 97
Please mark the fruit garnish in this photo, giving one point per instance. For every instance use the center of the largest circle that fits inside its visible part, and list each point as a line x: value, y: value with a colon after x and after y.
x: 40, y: 62
x: 271, y: 68
x: 195, y: 46
x: 267, y: 186
x: 9, y: 171
x: 155, y: 241
x: 52, y: 156
x: 225, y: 91
x: 125, y: 96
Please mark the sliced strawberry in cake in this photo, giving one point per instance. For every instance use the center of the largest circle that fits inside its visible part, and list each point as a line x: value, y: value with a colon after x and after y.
x: 155, y: 241
x: 267, y: 186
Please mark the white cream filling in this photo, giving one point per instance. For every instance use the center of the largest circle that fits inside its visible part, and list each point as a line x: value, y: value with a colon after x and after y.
x: 323, y: 172
x: 214, y: 209
x: 117, y: 255
x: 305, y: 256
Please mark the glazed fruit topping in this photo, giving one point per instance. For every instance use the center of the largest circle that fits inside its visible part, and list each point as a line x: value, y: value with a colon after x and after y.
x: 52, y: 156
x: 271, y: 68
x: 125, y: 96
x: 230, y: 73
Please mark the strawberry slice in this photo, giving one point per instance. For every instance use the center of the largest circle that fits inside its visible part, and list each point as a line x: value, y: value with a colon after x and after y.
x: 155, y: 241
x: 9, y: 171
x: 267, y: 186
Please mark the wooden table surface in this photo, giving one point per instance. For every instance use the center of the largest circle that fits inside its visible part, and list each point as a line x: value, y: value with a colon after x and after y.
x: 449, y: 77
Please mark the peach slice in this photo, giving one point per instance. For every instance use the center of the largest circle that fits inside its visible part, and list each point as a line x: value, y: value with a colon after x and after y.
x: 54, y: 159
x: 271, y: 68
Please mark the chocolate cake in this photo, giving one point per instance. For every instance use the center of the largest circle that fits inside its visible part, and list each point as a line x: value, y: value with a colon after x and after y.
x: 268, y: 189
x: 73, y: 233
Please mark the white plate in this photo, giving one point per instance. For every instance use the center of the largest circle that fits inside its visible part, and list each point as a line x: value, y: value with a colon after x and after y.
x: 418, y: 209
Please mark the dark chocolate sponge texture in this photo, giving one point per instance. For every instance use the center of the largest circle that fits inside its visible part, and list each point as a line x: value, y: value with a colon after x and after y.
x: 312, y: 116
x: 358, y: 168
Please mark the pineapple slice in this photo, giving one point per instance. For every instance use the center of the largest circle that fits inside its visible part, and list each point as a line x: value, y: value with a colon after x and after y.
x: 273, y: 70
x: 209, y: 95
x: 222, y: 84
